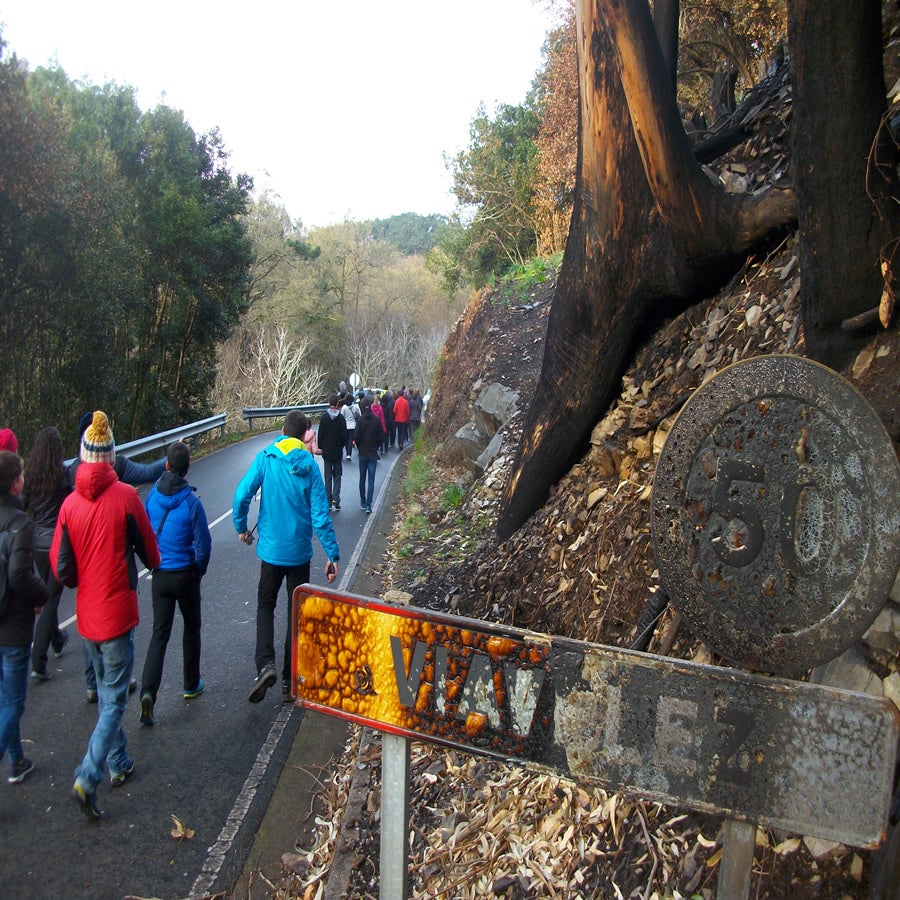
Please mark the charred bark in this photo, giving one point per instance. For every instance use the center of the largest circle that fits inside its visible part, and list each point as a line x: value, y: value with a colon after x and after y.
x: 846, y: 214
x: 649, y: 233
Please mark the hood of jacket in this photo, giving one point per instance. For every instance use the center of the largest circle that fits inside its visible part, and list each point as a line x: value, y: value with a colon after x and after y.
x: 172, y: 489
x: 332, y: 412
x: 292, y: 451
x: 92, y: 479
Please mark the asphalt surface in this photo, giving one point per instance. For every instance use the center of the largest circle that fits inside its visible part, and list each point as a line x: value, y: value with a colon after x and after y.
x: 220, y: 765
x: 289, y: 820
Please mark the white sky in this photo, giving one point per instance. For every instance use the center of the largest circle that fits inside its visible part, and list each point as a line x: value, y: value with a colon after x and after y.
x: 341, y: 109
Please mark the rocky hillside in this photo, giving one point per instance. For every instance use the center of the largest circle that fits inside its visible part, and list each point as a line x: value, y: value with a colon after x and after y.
x: 584, y: 566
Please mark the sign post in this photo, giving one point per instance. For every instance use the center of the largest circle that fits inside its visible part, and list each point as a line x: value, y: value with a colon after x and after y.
x: 776, y: 525
x: 795, y: 756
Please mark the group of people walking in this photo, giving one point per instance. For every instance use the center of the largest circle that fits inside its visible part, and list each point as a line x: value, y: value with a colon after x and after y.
x: 371, y: 421
x: 84, y: 526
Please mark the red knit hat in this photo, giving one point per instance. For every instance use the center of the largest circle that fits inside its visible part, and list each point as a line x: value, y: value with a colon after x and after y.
x: 8, y: 440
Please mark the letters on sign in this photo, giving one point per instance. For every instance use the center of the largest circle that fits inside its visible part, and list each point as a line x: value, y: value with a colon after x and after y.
x: 788, y: 754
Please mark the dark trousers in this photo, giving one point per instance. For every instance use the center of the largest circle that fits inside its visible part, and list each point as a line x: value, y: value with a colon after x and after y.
x: 351, y: 434
x: 270, y: 578
x: 402, y: 434
x: 334, y: 469
x: 46, y: 631
x: 181, y: 586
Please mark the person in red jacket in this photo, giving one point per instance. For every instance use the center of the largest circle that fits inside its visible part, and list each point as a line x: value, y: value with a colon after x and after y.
x: 401, y: 417
x: 101, y: 527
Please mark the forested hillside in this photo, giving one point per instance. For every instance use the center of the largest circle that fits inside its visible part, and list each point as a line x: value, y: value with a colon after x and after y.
x: 140, y: 275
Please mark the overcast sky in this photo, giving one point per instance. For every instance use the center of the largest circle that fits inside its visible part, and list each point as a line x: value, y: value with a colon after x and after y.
x: 341, y: 109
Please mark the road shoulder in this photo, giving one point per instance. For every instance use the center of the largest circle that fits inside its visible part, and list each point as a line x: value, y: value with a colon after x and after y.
x: 290, y: 815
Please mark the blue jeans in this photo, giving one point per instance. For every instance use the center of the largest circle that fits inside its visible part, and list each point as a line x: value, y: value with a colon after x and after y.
x: 367, y: 465
x: 112, y: 662
x: 13, y: 684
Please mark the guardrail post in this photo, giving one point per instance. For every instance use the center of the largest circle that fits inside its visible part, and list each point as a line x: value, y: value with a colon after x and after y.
x: 394, y: 874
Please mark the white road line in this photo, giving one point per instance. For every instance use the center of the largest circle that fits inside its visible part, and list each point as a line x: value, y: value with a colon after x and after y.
x: 72, y: 619
x: 218, y: 852
x: 222, y: 847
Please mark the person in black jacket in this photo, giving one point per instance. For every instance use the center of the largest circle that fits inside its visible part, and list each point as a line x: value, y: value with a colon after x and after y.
x: 368, y: 442
x: 24, y: 595
x: 332, y: 439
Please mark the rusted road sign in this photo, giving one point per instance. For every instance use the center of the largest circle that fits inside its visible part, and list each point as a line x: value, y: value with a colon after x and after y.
x: 776, y: 514
x: 791, y: 755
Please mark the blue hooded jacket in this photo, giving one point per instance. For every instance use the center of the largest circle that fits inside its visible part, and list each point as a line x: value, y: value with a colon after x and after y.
x: 184, y: 540
x: 292, y: 504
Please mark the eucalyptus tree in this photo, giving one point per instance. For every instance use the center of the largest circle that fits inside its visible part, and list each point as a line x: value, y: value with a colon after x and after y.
x: 642, y: 198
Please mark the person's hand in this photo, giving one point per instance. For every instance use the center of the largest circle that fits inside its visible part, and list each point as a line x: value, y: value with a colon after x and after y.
x: 246, y: 537
x: 331, y: 571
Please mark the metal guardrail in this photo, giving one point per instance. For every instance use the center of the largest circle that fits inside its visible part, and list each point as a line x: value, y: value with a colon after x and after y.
x: 164, y: 438
x: 276, y: 412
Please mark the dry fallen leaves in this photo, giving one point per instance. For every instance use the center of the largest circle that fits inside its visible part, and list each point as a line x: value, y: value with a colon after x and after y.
x: 180, y: 831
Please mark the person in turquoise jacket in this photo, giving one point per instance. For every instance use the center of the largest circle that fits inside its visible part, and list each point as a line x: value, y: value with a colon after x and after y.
x: 292, y: 505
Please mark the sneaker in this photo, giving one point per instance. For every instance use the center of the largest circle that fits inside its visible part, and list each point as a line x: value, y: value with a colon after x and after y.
x: 132, y: 685
x: 146, y: 708
x: 369, y: 510
x: 38, y: 675
x: 196, y: 692
x: 362, y: 506
x: 286, y: 694
x: 87, y: 801
x: 264, y: 680
x: 18, y: 769
x: 337, y: 505
x: 117, y: 779
x: 60, y: 643
x: 91, y: 695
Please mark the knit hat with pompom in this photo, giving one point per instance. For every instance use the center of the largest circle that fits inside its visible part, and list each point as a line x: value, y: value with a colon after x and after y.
x: 97, y: 444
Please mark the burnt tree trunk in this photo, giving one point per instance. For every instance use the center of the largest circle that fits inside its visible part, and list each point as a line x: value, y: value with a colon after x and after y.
x: 845, y: 211
x: 649, y: 234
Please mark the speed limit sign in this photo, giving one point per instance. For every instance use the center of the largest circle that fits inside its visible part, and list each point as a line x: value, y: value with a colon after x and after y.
x: 776, y: 514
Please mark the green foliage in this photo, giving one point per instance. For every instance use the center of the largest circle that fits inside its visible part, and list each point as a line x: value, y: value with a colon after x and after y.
x: 410, y: 233
x: 418, y: 474
x: 517, y: 287
x: 452, y: 496
x: 124, y: 257
x: 493, y: 181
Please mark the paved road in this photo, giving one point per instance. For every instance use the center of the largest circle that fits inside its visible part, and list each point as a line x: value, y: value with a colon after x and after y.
x: 212, y: 762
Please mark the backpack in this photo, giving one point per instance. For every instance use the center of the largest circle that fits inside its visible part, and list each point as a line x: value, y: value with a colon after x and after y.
x: 4, y: 572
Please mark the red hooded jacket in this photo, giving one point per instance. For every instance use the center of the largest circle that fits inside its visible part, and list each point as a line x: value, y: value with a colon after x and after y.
x: 401, y: 409
x: 101, y: 526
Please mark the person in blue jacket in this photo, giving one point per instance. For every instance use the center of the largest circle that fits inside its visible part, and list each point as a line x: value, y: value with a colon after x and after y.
x: 182, y: 532
x: 292, y: 504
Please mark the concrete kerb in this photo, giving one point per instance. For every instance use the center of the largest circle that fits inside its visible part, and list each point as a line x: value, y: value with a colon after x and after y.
x: 291, y: 804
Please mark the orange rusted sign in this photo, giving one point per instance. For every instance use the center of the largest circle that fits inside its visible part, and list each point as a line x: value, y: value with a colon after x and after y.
x: 791, y: 755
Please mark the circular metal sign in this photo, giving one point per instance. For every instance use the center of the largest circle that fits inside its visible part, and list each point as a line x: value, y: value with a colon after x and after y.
x: 776, y: 514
